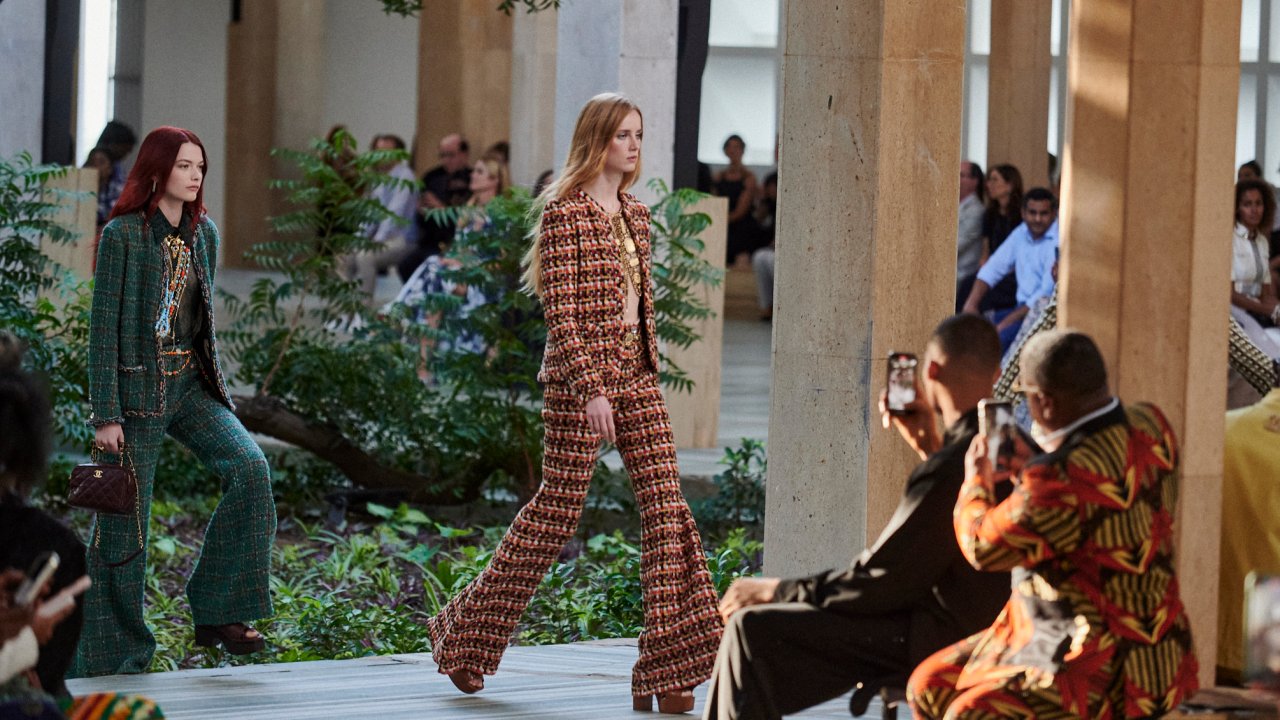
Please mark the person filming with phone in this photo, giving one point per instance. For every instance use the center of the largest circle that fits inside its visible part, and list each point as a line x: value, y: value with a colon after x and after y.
x: 42, y: 568
x: 793, y: 643
x: 1094, y: 626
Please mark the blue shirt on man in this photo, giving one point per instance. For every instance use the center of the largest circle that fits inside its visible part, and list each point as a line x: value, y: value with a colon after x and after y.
x: 1030, y: 259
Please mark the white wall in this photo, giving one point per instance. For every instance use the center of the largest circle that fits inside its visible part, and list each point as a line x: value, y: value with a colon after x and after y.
x: 22, y: 25
x: 184, y: 81
x: 371, y: 71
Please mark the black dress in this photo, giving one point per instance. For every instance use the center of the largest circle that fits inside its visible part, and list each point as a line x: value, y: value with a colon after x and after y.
x: 744, y: 235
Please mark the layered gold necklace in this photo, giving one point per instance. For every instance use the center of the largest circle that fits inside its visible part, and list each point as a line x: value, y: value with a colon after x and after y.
x: 626, y: 250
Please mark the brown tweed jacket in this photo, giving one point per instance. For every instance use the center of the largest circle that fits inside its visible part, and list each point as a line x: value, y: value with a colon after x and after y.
x: 584, y: 293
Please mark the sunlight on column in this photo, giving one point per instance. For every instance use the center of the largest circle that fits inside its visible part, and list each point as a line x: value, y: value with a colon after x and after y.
x: 94, y: 104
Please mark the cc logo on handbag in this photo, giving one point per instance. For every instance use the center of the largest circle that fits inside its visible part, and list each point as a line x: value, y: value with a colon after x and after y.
x: 97, y: 473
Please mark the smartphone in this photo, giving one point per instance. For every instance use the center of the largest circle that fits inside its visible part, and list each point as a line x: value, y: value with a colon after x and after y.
x: 1262, y: 630
x: 996, y: 424
x: 41, y: 570
x: 901, y: 382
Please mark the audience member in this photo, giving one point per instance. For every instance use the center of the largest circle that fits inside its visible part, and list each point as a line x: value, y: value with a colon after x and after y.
x: 790, y: 644
x: 394, y: 235
x: 344, y: 145
x: 445, y: 185
x: 1249, y: 171
x: 1250, y: 534
x: 1094, y: 626
x: 99, y: 160
x: 762, y: 259
x: 1003, y: 213
x: 37, y: 642
x: 117, y: 140
x: 969, y: 254
x: 1253, y: 294
x: 738, y: 184
x: 1029, y: 253
x: 500, y: 150
x: 543, y: 181
x: 489, y: 179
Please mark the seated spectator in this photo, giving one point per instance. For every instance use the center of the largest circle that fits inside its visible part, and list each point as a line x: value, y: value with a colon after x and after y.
x: 738, y: 184
x: 543, y: 181
x: 1094, y: 626
x: 117, y: 141
x: 488, y: 180
x: 394, y: 235
x: 1249, y: 171
x: 790, y: 644
x: 99, y: 160
x: 969, y: 254
x: 37, y: 643
x: 1029, y: 254
x: 762, y: 259
x: 500, y: 150
x: 444, y: 185
x: 1253, y: 294
x: 1250, y: 534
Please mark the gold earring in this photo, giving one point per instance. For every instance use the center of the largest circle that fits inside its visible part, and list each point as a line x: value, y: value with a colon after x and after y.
x: 153, y: 187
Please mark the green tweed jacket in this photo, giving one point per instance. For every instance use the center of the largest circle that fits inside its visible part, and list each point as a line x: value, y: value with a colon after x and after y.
x: 124, y: 352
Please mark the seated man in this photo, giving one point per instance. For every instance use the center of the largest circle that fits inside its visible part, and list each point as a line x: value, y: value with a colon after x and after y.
x: 1250, y: 534
x: 791, y: 644
x: 1030, y: 252
x: 1094, y: 626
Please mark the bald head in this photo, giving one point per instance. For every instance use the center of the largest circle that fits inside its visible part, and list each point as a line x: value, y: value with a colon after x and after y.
x: 454, y: 152
x: 969, y: 343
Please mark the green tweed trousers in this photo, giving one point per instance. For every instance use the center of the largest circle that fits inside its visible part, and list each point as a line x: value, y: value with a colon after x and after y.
x: 230, y: 582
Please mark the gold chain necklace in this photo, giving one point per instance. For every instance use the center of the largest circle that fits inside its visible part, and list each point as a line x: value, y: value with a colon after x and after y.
x: 626, y: 250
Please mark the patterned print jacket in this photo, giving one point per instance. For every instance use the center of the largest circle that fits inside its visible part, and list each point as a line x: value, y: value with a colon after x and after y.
x: 584, y: 293
x: 1088, y: 533
x: 124, y: 352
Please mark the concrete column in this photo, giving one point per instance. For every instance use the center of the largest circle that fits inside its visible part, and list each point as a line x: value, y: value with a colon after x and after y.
x: 626, y: 46
x: 131, y: 23
x: 22, y: 27
x: 533, y: 95
x: 866, y: 258
x: 251, y: 105
x: 1147, y: 186
x: 1018, y: 94
x: 464, y: 78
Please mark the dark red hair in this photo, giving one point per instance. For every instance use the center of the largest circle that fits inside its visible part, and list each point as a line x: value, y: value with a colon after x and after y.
x: 150, y: 174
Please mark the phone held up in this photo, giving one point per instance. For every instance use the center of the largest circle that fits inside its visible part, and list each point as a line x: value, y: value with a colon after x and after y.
x: 41, y: 571
x: 996, y: 424
x: 901, y: 382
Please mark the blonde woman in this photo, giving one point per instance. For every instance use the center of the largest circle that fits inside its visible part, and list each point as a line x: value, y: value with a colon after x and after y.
x: 590, y: 265
x: 489, y: 178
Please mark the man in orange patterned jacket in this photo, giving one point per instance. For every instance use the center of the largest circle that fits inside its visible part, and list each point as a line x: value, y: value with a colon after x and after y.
x: 1094, y: 627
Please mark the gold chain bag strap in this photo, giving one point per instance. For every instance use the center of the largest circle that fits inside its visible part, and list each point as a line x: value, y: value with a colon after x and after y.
x: 107, y: 488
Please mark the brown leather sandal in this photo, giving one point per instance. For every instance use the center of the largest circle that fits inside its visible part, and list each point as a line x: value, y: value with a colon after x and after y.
x: 468, y: 681
x: 235, y: 638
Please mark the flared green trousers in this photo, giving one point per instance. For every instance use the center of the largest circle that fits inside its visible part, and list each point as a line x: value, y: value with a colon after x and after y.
x: 230, y: 581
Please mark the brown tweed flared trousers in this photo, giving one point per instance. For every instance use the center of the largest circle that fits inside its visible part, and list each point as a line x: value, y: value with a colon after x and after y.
x: 681, y: 625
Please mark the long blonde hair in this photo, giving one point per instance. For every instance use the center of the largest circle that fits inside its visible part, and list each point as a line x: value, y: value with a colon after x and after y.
x: 597, y: 124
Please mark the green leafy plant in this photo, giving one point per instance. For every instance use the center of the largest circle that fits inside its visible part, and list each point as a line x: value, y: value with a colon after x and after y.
x: 739, y: 499
x: 41, y: 302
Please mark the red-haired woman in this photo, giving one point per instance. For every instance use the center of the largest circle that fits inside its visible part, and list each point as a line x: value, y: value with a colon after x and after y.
x: 154, y: 370
x: 590, y: 265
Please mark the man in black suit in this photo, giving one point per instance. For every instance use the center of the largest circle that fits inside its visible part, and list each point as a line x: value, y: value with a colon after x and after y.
x: 790, y: 644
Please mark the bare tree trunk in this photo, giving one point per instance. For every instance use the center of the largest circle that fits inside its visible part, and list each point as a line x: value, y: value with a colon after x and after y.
x: 270, y: 416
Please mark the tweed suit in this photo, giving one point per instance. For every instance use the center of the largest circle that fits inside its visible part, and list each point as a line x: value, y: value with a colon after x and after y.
x: 152, y: 395
x: 583, y: 299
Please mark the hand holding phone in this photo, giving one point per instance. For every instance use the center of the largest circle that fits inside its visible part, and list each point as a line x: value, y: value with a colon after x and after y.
x: 38, y: 577
x: 901, y: 382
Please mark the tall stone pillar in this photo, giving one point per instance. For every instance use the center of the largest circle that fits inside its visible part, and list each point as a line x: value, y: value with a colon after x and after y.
x: 626, y: 46
x: 1018, y: 93
x: 464, y: 78
x: 251, y: 110
x: 533, y: 95
x: 1147, y: 216
x: 866, y: 260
